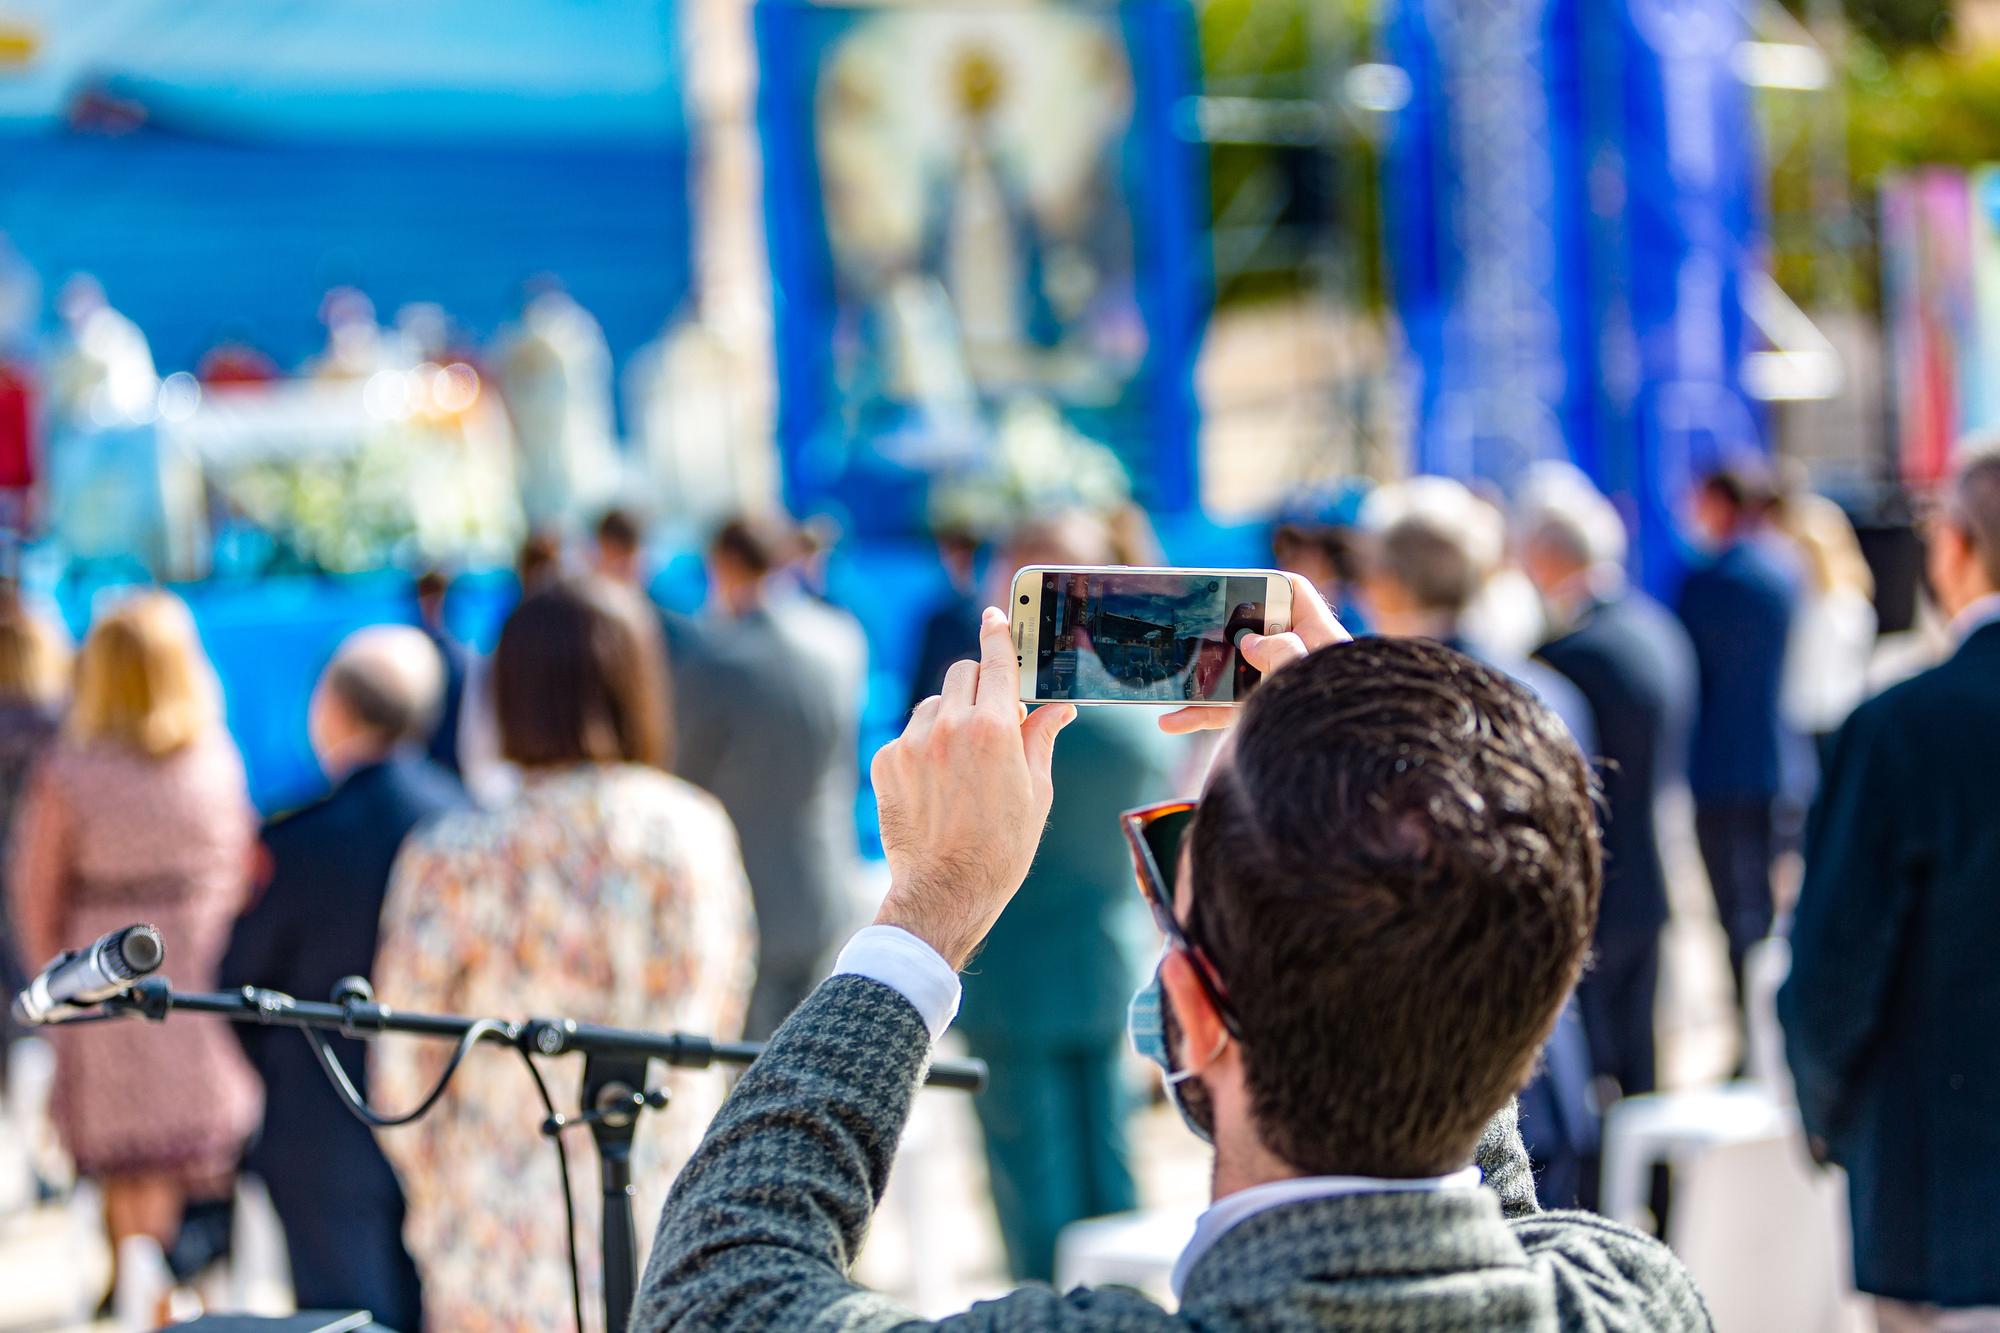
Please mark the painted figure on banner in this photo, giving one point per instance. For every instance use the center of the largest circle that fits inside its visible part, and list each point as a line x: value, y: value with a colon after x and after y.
x: 981, y: 245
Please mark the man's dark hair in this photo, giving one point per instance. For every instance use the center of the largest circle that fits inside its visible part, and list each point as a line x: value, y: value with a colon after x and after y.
x: 957, y: 542
x: 618, y: 530
x: 758, y: 543
x: 580, y: 677
x: 1397, y: 876
x: 1747, y: 490
x: 538, y: 559
x: 1343, y: 548
x: 432, y: 585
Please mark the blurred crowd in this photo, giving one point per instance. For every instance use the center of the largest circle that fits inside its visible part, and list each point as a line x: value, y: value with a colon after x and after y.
x: 547, y: 445
x: 627, y: 815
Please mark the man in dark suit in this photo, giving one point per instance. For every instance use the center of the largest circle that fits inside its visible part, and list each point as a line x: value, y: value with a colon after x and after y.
x: 442, y: 743
x: 1370, y: 920
x: 767, y: 693
x: 951, y: 630
x: 1632, y: 663
x: 1737, y: 610
x: 327, y: 871
x: 1890, y: 1009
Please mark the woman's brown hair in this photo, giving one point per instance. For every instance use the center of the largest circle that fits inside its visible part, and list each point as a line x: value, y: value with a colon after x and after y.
x: 580, y: 677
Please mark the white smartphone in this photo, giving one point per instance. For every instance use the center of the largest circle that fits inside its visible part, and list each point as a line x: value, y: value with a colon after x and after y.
x: 1113, y: 634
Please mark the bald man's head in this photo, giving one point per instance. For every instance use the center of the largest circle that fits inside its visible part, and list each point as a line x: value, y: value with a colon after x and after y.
x: 381, y: 689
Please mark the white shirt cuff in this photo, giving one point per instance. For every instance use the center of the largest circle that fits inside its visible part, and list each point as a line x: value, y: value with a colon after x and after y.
x: 905, y: 964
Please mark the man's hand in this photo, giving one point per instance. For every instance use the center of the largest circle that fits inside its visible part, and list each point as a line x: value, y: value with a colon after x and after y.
x: 1313, y: 626
x: 964, y: 793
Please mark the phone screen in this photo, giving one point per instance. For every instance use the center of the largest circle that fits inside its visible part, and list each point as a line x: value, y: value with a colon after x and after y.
x: 1147, y: 638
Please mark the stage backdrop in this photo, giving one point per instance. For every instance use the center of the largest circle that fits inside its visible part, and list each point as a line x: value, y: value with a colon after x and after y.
x: 219, y: 164
x: 980, y: 218
x: 1574, y: 200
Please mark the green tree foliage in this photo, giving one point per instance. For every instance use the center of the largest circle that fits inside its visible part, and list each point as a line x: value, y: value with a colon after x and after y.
x: 1893, y: 24
x: 1921, y: 107
x: 1910, y: 107
x: 1291, y: 215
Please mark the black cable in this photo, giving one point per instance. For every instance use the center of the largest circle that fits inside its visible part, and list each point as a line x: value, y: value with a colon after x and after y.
x: 359, y: 1105
x: 569, y: 1204
x: 356, y: 1103
x: 369, y: 1115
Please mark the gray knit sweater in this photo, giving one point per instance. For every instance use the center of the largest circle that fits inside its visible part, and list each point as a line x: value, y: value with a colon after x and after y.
x: 762, y: 1226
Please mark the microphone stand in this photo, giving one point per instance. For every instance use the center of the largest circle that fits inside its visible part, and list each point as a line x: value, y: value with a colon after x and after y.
x: 614, y: 1077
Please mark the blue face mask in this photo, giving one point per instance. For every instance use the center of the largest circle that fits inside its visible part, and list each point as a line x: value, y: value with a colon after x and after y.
x: 1147, y: 1032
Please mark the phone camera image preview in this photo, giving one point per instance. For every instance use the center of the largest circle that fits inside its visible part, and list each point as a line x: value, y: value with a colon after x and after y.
x: 1147, y: 638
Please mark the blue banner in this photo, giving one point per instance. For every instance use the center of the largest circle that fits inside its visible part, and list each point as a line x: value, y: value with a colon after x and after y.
x: 1692, y: 234
x: 980, y: 220
x: 1574, y: 201
x: 1482, y: 234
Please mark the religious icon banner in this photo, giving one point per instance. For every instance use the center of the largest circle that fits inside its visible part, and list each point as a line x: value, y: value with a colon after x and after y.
x: 989, y: 255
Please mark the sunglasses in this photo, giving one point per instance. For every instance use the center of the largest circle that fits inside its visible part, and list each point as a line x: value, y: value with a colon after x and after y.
x: 1155, y: 834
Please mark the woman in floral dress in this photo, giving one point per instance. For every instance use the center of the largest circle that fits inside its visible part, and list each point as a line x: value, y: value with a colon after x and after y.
x: 606, y: 891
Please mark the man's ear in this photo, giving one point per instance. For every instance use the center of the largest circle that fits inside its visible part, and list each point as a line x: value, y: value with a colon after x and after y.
x: 1201, y: 1028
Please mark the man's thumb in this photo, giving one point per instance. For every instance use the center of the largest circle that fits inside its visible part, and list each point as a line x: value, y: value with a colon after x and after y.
x: 1038, y: 735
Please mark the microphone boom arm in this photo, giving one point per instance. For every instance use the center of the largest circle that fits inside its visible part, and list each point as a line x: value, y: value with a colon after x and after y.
x: 613, y: 1078
x: 154, y: 999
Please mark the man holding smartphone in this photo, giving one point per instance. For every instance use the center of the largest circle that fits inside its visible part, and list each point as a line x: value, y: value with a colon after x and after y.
x: 1377, y: 909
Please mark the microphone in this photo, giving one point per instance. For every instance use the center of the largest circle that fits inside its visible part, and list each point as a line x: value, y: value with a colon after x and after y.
x: 83, y: 977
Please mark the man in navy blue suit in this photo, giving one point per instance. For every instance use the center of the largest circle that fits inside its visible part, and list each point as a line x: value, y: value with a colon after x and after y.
x: 1891, y: 1008
x: 442, y: 743
x: 328, y: 869
x: 1738, y: 610
x: 1629, y: 659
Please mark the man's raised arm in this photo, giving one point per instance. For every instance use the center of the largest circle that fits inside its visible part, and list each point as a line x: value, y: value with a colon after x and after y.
x: 764, y: 1223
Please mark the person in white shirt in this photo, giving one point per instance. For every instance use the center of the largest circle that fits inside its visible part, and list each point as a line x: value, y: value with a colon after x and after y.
x: 1833, y: 634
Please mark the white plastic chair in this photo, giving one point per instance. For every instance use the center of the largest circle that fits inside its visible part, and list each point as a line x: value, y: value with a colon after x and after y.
x: 1762, y: 1231
x: 1764, y: 1235
x: 1676, y: 1128
x: 258, y: 1277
